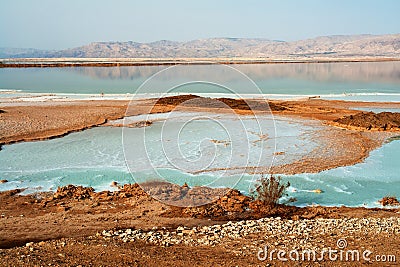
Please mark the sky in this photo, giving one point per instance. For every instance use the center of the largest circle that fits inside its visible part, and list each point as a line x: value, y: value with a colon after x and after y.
x: 60, y: 24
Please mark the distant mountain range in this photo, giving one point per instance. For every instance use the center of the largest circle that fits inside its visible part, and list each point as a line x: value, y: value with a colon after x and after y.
x: 337, y: 46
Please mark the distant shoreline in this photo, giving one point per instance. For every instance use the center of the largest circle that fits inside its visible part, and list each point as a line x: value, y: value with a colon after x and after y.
x: 125, y: 62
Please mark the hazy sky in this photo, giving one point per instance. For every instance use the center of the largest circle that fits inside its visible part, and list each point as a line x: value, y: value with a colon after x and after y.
x: 58, y: 24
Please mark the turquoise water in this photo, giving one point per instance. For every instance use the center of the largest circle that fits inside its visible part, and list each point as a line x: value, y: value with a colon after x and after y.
x: 353, y: 81
x: 358, y: 185
x: 95, y: 157
x: 378, y: 110
x: 91, y: 158
x: 363, y: 184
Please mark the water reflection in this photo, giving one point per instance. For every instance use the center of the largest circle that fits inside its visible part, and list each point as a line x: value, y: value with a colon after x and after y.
x: 366, y: 72
x: 293, y: 78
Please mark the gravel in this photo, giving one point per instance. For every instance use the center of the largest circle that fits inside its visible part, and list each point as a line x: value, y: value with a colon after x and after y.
x: 253, y: 234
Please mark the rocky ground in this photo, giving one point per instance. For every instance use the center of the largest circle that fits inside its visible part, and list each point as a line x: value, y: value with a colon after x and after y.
x: 298, y: 231
x: 77, y: 226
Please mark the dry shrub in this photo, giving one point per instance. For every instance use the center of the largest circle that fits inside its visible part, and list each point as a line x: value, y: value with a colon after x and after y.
x: 270, y: 189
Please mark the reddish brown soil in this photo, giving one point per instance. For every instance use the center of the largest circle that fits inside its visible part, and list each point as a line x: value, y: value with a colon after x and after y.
x: 70, y: 218
x: 73, y: 214
x: 78, y: 211
x: 384, y: 121
x: 36, y: 122
x: 239, y: 106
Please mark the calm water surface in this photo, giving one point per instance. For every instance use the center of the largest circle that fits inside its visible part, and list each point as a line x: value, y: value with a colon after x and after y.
x: 336, y: 80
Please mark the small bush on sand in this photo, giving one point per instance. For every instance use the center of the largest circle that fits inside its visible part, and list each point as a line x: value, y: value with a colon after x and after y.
x: 270, y: 189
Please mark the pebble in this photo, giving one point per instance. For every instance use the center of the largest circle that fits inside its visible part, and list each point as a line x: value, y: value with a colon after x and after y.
x: 286, y: 233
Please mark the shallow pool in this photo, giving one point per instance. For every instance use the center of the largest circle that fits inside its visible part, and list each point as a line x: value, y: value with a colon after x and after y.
x: 199, y: 149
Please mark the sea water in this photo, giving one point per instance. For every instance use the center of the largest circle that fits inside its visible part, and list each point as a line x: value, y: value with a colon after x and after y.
x: 362, y: 81
x: 97, y: 156
x: 378, y: 110
x: 362, y: 184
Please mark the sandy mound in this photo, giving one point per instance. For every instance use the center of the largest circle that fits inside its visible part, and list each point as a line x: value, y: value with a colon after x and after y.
x: 218, y: 103
x: 382, y: 121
